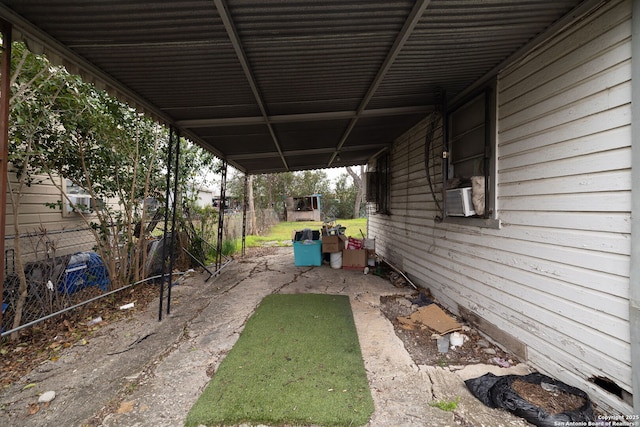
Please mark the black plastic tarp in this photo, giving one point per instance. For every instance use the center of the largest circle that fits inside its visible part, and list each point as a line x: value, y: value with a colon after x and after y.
x: 497, y: 392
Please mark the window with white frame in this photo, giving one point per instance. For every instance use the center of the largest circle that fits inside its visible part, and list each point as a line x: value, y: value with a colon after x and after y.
x: 77, y: 199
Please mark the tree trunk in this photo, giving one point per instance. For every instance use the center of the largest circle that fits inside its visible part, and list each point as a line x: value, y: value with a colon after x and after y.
x: 23, y: 290
x: 253, y: 229
x: 358, y: 183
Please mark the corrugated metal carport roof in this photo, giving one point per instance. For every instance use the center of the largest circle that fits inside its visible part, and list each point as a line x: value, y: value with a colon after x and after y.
x: 284, y: 85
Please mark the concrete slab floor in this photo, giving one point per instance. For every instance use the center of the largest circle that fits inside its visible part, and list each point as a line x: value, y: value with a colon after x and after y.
x: 141, y: 372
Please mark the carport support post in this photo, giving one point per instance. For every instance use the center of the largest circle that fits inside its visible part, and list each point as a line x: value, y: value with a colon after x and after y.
x: 634, y: 274
x: 174, y: 209
x: 244, y: 212
x: 5, y: 89
x: 167, y: 242
x: 222, y: 204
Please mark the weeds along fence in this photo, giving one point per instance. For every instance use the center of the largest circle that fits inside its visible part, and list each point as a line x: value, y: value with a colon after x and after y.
x: 62, y: 271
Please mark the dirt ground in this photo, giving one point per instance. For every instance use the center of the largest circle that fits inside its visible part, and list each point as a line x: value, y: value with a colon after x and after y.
x: 422, y: 346
x: 131, y: 370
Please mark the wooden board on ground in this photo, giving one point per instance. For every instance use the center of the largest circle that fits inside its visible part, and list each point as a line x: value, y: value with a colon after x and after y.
x: 432, y: 317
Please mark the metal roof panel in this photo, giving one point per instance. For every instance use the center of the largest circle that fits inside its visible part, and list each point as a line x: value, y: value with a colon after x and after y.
x: 251, y: 79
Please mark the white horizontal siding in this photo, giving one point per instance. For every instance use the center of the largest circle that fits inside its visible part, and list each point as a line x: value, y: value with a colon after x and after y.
x: 565, y: 150
x: 35, y: 218
x: 556, y: 275
x: 567, y: 50
x: 592, y: 202
x: 612, y: 222
x: 599, y: 181
x: 585, y: 126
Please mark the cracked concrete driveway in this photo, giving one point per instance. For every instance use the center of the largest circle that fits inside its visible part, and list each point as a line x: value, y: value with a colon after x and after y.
x: 141, y: 372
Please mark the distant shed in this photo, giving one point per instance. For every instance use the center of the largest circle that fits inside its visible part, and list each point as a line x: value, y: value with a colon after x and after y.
x: 304, y: 208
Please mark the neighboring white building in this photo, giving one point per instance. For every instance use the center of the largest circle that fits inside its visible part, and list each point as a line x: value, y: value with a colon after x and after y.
x: 303, y: 208
x: 205, y: 197
x: 546, y: 271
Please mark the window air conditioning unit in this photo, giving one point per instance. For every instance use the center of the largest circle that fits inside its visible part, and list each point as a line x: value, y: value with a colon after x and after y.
x: 459, y: 202
x: 82, y: 203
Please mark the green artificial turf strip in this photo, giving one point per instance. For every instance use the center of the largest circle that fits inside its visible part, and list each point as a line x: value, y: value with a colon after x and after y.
x: 298, y: 361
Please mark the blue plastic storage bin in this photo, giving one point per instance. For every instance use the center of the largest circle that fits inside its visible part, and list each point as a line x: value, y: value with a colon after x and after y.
x: 97, y: 274
x: 85, y: 269
x: 307, y: 253
x: 74, y: 279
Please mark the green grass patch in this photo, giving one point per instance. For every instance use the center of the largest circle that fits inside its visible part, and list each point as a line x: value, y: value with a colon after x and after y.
x: 354, y: 226
x: 298, y: 361
x: 283, y: 231
x: 446, y: 405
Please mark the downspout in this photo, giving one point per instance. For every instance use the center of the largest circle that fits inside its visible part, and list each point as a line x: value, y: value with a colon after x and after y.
x: 634, y: 274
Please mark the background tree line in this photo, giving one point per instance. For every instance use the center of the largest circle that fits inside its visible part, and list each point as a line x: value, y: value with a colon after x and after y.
x: 341, y: 197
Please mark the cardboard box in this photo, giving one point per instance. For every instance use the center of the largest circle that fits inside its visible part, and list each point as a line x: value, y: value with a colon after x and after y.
x: 331, y: 244
x: 354, y: 258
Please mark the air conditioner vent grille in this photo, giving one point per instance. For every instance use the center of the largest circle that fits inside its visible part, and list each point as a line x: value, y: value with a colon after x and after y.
x: 459, y: 202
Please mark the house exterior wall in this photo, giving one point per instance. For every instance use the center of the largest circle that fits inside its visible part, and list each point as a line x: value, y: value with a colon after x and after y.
x: 554, y: 278
x: 39, y: 223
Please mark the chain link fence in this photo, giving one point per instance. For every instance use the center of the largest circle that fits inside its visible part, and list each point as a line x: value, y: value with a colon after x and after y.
x: 265, y: 219
x: 207, y: 226
x: 60, y: 269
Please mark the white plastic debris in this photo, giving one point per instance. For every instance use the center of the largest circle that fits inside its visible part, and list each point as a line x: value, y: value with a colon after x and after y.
x: 126, y: 306
x: 551, y: 388
x: 456, y: 339
x: 443, y: 343
x: 94, y: 321
x: 50, y: 285
x: 502, y: 363
x: 47, y: 396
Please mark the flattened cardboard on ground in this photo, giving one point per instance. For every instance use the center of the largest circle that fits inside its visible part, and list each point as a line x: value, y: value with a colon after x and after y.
x: 433, y: 317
